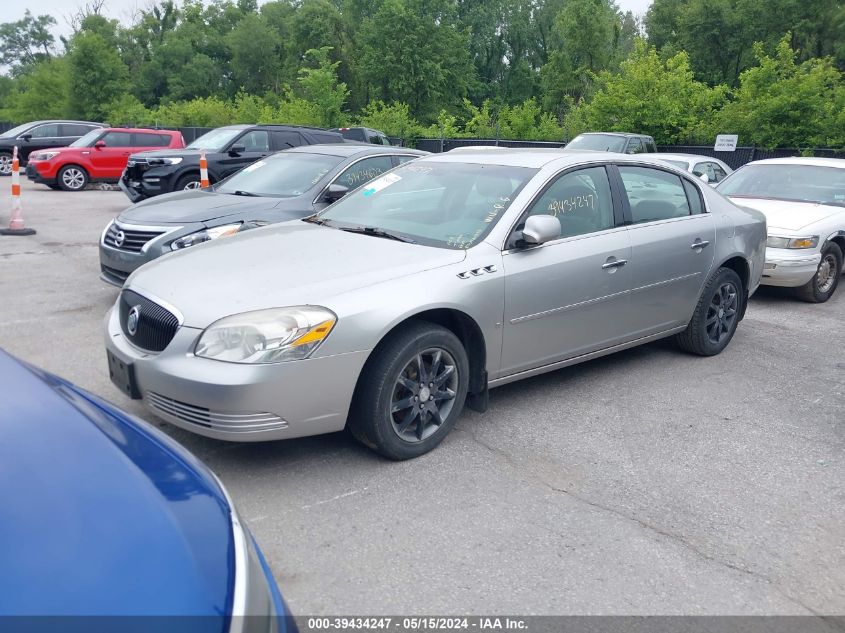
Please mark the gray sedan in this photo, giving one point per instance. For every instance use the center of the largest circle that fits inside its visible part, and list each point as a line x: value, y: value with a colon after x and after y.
x: 411, y: 297
x: 291, y: 184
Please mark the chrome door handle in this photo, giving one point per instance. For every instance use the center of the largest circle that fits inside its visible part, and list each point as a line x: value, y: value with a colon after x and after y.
x: 699, y: 244
x: 617, y: 264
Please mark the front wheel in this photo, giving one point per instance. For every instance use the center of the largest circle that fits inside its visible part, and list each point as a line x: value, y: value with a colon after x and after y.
x: 189, y: 181
x: 716, y: 315
x: 72, y: 178
x: 823, y: 284
x: 411, y: 391
x: 5, y: 164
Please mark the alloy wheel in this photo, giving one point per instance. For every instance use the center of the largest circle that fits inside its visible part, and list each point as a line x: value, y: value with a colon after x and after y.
x: 194, y: 184
x: 5, y: 165
x: 424, y: 394
x: 826, y: 274
x: 73, y: 178
x: 721, y: 313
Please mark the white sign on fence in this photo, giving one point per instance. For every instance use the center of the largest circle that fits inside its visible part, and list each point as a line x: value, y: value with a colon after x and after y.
x: 726, y: 143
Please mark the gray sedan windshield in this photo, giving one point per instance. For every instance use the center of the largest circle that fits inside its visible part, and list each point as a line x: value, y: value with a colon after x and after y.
x: 283, y: 175
x: 802, y: 183
x: 450, y: 205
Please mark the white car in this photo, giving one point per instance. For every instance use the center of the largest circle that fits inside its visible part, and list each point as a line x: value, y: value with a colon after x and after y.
x: 710, y: 170
x: 803, y: 200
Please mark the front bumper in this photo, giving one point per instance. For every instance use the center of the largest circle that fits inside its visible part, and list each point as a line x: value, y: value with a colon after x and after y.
x: 33, y: 174
x: 116, y: 264
x: 140, y: 180
x: 241, y: 403
x: 790, y: 268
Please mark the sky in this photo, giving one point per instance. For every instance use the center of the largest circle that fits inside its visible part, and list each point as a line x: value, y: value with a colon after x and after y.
x: 124, y: 9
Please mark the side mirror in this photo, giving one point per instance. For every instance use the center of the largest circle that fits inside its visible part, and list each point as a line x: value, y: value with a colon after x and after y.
x: 335, y: 192
x: 237, y: 149
x: 705, y: 177
x: 540, y: 229
x: 25, y: 137
x: 99, y: 145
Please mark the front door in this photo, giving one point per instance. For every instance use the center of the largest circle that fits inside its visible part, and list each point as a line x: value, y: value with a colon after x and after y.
x: 109, y: 161
x: 256, y: 146
x: 568, y: 297
x: 673, y: 242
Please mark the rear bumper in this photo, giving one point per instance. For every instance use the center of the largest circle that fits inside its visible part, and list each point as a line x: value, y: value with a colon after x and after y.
x: 789, y: 268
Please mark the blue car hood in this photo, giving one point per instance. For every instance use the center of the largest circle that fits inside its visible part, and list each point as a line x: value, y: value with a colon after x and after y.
x: 100, y: 514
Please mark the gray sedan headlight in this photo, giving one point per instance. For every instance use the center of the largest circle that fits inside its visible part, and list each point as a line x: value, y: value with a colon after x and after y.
x: 775, y: 241
x: 205, y: 235
x: 267, y: 336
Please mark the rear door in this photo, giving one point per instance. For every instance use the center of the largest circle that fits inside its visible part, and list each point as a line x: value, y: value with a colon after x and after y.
x: 673, y: 246
x: 109, y: 161
x: 568, y: 297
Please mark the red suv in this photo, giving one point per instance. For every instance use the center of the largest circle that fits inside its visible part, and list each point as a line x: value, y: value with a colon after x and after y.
x: 99, y: 156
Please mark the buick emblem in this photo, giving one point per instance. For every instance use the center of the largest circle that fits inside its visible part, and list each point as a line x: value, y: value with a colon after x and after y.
x: 133, y: 319
x: 118, y: 238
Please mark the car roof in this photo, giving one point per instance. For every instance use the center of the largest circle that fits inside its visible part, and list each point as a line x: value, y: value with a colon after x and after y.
x: 839, y: 163
x: 351, y: 149
x: 522, y: 157
x: 624, y: 134
x: 271, y: 126
x: 139, y: 129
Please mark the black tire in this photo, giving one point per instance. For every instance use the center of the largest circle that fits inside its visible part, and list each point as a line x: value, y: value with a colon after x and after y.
x: 72, y: 178
x: 716, y: 315
x: 186, y: 181
x: 823, y: 284
x: 5, y: 164
x: 391, y: 379
x: 54, y: 186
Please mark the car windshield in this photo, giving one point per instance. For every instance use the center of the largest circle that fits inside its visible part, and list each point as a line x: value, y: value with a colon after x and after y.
x: 88, y: 139
x: 215, y: 140
x: 283, y: 175
x: 675, y: 163
x: 599, y: 142
x: 801, y: 183
x: 449, y: 205
x: 16, y: 130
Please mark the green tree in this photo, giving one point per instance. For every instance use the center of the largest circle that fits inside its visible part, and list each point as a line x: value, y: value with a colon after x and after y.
x: 26, y: 41
x: 255, y: 58
x: 651, y: 96
x: 393, y: 119
x: 319, y: 85
x: 98, y: 75
x: 40, y: 93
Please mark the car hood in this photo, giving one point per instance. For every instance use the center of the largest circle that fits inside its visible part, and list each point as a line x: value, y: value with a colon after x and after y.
x: 291, y: 263
x: 788, y: 215
x: 62, y: 150
x: 175, y: 151
x: 103, y: 515
x: 182, y: 207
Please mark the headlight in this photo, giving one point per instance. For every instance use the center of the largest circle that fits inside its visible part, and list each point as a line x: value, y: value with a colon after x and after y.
x: 205, y: 235
x: 267, y: 336
x: 45, y: 155
x: 174, y: 160
x: 775, y: 241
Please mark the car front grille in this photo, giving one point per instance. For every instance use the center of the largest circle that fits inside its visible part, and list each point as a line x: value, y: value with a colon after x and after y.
x: 154, y: 325
x: 124, y: 239
x: 229, y: 422
x: 114, y: 274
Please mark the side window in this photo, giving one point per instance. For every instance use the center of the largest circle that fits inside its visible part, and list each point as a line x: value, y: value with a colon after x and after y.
x: 635, y: 146
x: 720, y: 173
x: 51, y: 130
x: 699, y: 170
x: 405, y: 158
x: 693, y: 197
x: 580, y: 199
x: 364, y: 171
x: 654, y: 194
x: 75, y: 129
x: 255, y: 141
x: 151, y: 140
x: 118, y: 139
x: 649, y: 146
x: 286, y: 140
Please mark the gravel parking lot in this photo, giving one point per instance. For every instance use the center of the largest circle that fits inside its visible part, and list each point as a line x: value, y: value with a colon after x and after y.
x: 648, y: 482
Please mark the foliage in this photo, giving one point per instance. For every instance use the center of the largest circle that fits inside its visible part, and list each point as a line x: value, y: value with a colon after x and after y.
x: 393, y: 119
x: 26, y: 42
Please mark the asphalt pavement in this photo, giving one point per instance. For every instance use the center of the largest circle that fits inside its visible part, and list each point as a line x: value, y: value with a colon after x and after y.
x: 647, y: 482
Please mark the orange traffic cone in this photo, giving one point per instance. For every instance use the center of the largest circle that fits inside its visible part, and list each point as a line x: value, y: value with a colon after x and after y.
x: 16, y: 225
x: 203, y: 170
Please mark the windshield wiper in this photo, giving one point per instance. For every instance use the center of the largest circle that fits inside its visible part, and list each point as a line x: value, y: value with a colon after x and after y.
x: 375, y: 232
x: 240, y: 192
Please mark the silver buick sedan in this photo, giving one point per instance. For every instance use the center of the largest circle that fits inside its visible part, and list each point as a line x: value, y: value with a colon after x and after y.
x: 409, y: 298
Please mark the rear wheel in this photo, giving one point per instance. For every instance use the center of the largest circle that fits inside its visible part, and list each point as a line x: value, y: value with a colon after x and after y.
x: 5, y: 164
x: 412, y: 391
x: 189, y: 181
x: 823, y: 284
x: 72, y: 178
x: 716, y: 315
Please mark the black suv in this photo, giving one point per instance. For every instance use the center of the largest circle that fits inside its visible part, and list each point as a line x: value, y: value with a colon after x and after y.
x: 227, y: 149
x: 363, y: 135
x: 621, y: 142
x: 36, y: 135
